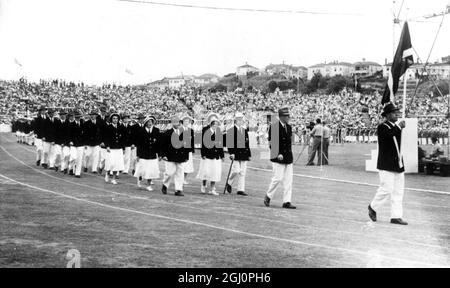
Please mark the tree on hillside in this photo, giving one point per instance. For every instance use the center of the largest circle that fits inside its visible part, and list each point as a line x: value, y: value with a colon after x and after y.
x: 272, y: 86
x: 336, y: 84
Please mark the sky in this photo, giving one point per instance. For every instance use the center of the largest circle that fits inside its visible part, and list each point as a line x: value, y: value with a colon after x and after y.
x: 96, y: 41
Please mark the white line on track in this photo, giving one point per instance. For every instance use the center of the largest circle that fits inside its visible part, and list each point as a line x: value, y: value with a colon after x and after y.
x: 130, y: 196
x: 277, y: 239
x: 347, y: 181
x: 327, y: 179
x: 218, y: 212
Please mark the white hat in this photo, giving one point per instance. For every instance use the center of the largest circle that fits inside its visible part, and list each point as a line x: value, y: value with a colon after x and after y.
x: 239, y: 115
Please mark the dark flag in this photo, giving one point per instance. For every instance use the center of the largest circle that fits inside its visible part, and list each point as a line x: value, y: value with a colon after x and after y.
x: 402, y: 61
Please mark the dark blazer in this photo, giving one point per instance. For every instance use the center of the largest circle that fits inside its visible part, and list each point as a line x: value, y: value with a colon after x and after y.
x: 388, y: 158
x: 148, y: 144
x: 103, y: 126
x: 38, y: 127
x: 188, y: 138
x: 49, y: 130
x: 75, y: 133
x: 92, y: 134
x: 135, y: 133
x: 238, y: 144
x: 215, y: 152
x: 173, y: 154
x: 60, y: 128
x: 114, y: 137
x: 284, y: 144
x: 128, y: 136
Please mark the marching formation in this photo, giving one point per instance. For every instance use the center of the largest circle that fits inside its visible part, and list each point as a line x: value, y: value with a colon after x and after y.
x: 112, y: 143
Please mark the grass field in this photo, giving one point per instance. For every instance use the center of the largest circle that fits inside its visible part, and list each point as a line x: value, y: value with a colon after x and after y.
x: 44, y: 214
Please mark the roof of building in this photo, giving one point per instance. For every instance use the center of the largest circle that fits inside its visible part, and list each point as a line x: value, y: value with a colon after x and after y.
x: 335, y: 63
x: 366, y: 63
x: 208, y: 76
x: 247, y: 66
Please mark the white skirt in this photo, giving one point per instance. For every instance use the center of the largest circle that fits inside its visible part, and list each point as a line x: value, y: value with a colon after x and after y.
x: 188, y: 166
x: 210, y: 170
x: 114, y: 160
x: 147, y: 169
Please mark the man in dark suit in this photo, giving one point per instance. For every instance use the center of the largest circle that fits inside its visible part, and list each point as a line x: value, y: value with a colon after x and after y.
x: 280, y: 139
x: 102, y: 122
x: 135, y: 138
x: 238, y: 144
x: 92, y: 135
x: 76, y: 143
x: 48, y: 137
x: 127, y: 141
x: 38, y: 130
x: 174, y: 154
x: 390, y: 166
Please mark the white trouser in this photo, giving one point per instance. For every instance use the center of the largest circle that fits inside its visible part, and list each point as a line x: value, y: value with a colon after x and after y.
x: 133, y: 159
x: 46, y: 150
x: 391, y: 185
x: 55, y: 153
x: 103, y: 154
x: 76, y: 159
x: 39, y: 148
x: 237, y: 175
x: 175, y: 172
x: 282, y: 174
x: 65, y: 158
x: 127, y: 159
x: 92, y: 158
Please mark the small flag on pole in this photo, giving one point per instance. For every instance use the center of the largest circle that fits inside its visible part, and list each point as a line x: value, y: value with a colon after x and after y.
x: 402, y: 61
x: 17, y: 62
x: 128, y: 71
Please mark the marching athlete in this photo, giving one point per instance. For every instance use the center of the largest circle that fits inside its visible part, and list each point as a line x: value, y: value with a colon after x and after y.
x: 127, y: 142
x: 238, y: 144
x: 135, y: 136
x: 102, y: 122
x: 92, y: 140
x: 147, y: 150
x: 391, y: 167
x: 174, y: 154
x: 114, y: 138
x: 212, y: 155
x: 280, y: 141
x: 188, y: 133
x: 75, y: 136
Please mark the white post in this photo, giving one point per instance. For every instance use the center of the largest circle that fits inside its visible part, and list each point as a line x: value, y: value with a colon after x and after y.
x: 404, y: 96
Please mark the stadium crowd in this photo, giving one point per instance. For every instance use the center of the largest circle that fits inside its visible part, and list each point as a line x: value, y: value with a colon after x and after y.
x: 346, y: 113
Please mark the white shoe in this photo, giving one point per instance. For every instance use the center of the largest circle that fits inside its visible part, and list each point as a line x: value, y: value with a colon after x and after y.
x: 203, y: 189
x: 213, y: 192
x: 114, y: 182
x: 107, y: 177
x: 149, y: 188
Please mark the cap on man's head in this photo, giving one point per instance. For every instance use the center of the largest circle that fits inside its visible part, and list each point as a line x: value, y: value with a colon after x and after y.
x: 388, y: 109
x: 283, y: 112
x: 140, y: 116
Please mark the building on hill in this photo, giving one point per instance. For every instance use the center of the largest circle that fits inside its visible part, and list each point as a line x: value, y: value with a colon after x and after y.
x: 206, y: 79
x: 446, y: 59
x: 331, y: 69
x: 366, y: 68
x: 245, y: 69
x: 287, y: 71
x: 436, y: 71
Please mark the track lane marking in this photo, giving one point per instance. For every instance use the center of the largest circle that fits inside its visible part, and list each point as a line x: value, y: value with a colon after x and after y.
x: 346, y: 250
